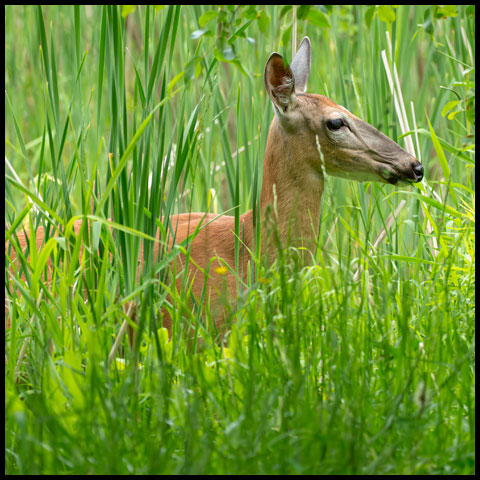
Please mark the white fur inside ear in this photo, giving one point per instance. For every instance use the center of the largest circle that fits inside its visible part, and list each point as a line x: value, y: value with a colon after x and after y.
x: 280, y: 82
x: 284, y: 92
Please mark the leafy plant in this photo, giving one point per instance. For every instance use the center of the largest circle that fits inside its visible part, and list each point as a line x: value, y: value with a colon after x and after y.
x: 360, y: 362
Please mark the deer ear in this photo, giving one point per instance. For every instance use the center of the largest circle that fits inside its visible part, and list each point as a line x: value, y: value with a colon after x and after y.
x: 301, y: 65
x: 280, y: 82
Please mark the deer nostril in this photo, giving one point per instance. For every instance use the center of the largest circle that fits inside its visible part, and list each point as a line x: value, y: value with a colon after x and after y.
x: 418, y: 170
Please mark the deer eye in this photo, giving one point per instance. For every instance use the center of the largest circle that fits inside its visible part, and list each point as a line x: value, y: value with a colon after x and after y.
x: 335, y: 123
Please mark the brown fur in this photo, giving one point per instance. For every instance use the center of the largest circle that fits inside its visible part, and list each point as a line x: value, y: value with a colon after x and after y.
x: 301, y: 146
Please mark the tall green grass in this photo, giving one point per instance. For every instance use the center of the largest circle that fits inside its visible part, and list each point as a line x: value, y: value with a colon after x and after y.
x: 360, y: 362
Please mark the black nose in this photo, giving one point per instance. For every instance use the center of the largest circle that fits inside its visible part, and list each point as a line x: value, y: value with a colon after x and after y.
x: 418, y: 171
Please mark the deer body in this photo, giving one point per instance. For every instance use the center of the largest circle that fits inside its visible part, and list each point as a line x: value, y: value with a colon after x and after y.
x: 309, y: 135
x: 211, y: 248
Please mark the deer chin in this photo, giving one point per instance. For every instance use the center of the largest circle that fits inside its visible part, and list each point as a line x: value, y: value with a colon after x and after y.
x: 383, y: 176
x: 366, y: 176
x: 396, y: 178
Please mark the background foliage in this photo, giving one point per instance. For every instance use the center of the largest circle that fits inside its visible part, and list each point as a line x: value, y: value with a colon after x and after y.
x: 362, y: 362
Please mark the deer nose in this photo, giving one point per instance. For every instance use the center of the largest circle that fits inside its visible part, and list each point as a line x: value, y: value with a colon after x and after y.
x: 418, y: 171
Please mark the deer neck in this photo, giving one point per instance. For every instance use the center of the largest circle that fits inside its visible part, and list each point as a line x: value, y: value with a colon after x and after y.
x: 292, y: 188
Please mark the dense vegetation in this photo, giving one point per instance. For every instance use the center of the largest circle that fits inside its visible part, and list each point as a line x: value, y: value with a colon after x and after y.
x: 361, y: 362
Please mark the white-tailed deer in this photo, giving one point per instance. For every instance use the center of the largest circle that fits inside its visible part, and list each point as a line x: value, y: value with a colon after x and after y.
x: 309, y: 135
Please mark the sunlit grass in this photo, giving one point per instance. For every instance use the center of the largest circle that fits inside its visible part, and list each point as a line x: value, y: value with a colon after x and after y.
x: 362, y: 361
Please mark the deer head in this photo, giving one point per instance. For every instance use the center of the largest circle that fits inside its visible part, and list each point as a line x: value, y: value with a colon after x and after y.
x: 322, y: 131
